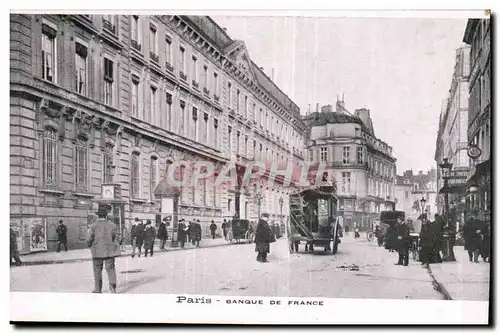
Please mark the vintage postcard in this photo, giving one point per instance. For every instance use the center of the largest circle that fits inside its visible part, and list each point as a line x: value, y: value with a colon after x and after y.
x: 250, y: 168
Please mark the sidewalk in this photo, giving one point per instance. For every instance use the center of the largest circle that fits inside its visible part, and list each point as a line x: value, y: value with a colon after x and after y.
x: 78, y: 255
x: 463, y: 280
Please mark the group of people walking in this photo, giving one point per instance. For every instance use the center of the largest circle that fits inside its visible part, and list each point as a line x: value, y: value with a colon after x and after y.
x: 477, y: 238
x: 190, y: 232
x: 144, y: 235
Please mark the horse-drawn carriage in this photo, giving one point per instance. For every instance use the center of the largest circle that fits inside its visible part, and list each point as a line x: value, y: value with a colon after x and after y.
x: 240, y: 231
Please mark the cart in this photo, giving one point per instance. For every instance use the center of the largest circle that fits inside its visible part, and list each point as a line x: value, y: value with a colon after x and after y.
x: 238, y: 231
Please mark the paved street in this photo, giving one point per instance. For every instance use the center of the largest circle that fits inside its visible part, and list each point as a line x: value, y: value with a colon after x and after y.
x: 359, y: 270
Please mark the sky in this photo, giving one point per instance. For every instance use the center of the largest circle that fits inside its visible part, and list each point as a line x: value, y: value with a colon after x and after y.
x: 399, y: 68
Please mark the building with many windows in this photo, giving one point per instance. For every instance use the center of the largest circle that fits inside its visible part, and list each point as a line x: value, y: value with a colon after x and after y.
x: 451, y: 142
x: 115, y: 99
x: 363, y: 165
x: 478, y: 35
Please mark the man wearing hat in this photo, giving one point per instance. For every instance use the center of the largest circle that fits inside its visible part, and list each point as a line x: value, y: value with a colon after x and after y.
x: 181, y: 233
x: 263, y: 237
x: 104, y: 241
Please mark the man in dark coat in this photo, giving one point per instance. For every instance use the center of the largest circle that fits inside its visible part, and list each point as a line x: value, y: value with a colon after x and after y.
x: 426, y: 242
x: 224, y: 229
x: 486, y: 242
x: 62, y: 236
x: 391, y: 238
x: 181, y: 233
x: 196, y: 233
x: 403, y: 243
x: 14, y: 252
x: 162, y: 232
x: 139, y: 236
x: 213, y: 228
x: 104, y: 243
x: 149, y: 238
x: 472, y: 237
x: 437, y: 227
x: 263, y: 237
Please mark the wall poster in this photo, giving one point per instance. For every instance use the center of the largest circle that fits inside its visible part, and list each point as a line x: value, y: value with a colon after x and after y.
x: 38, y: 234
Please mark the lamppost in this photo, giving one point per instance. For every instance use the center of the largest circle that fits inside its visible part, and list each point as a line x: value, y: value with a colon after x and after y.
x: 422, y: 207
x: 282, y: 227
x: 258, y: 197
x: 448, y: 235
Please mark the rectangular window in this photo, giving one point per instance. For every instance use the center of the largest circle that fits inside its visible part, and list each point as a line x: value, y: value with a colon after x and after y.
x: 346, y: 155
x: 135, y: 95
x: 134, y: 176
x: 238, y: 101
x: 323, y: 154
x: 230, y: 95
x: 168, y: 50
x: 195, y: 69
x: 215, y: 191
x: 48, y: 53
x: 81, y: 166
x: 246, y: 146
x: 153, y: 170
x: 216, y: 84
x: 182, y: 59
x: 153, y: 117
x: 205, y: 76
x: 360, y: 155
x: 108, y: 81
x: 50, y: 158
x: 216, y: 134
x: 81, y: 69
x: 195, y: 124
x: 168, y: 115
x: 182, y: 116
x: 205, y: 129
x: 229, y: 134
x: 254, y: 149
x: 346, y: 183
x: 153, y: 42
x: 135, y: 32
x: 254, y: 112
x: 246, y: 107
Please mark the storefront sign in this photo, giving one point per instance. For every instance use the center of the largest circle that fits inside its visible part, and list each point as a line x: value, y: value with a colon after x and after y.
x: 474, y: 152
x: 38, y: 234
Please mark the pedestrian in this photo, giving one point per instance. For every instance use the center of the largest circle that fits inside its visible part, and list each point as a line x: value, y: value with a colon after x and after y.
x: 263, y: 237
x: 403, y: 244
x: 104, y: 243
x: 346, y: 230
x: 356, y: 232
x: 426, y: 242
x: 14, y: 251
x: 213, y: 228
x: 139, y: 237
x: 189, y: 232
x: 224, y: 229
x: 196, y: 228
x: 149, y: 238
x: 379, y: 235
x: 472, y: 237
x: 181, y: 232
x: 62, y: 236
x: 134, y: 236
x: 391, y: 238
x: 437, y: 230
x: 163, y: 233
x: 486, y: 242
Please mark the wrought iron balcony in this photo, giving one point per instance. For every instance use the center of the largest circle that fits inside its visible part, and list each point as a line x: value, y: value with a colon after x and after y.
x: 154, y: 57
x: 135, y: 45
x: 108, y: 26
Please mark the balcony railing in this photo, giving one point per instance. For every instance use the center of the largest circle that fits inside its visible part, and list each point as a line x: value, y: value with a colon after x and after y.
x: 154, y: 57
x: 108, y: 26
x: 169, y: 67
x: 216, y: 98
x: 206, y: 91
x: 135, y: 45
x: 195, y: 84
x: 183, y: 75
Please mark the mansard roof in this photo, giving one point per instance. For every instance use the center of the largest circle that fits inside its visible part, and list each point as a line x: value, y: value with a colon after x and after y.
x: 323, y: 118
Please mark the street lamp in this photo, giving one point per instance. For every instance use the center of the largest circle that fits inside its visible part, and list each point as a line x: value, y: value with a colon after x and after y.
x: 448, y: 235
x: 422, y: 206
x: 258, y: 197
x: 282, y: 227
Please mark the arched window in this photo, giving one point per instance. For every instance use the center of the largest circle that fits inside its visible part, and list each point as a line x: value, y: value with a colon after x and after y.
x: 81, y: 165
x: 134, y: 175
x: 50, y: 158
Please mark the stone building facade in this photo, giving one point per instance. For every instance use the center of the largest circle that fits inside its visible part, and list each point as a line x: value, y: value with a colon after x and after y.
x: 116, y: 99
x: 363, y: 165
x: 478, y: 35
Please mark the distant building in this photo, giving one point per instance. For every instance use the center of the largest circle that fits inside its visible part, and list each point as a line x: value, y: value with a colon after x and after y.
x: 364, y: 167
x: 478, y: 36
x: 411, y: 188
x: 451, y: 140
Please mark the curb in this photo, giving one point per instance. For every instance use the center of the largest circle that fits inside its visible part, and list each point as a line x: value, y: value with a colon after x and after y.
x: 46, y: 262
x: 439, y: 286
